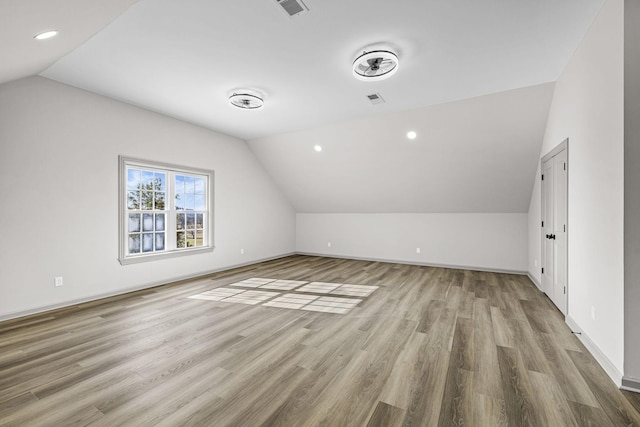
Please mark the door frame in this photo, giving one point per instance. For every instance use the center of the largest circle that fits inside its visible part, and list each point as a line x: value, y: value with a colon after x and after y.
x: 564, y: 145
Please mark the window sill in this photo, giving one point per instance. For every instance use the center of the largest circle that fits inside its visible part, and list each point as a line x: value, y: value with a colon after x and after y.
x: 164, y: 255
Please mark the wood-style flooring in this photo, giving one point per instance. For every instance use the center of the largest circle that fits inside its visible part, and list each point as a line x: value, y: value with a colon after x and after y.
x: 430, y: 347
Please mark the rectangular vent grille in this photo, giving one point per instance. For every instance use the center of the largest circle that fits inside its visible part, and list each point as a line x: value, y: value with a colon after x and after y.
x: 293, y: 7
x: 375, y: 98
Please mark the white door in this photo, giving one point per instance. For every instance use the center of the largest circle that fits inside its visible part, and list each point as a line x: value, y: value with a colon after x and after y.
x: 554, y: 228
x: 547, y: 228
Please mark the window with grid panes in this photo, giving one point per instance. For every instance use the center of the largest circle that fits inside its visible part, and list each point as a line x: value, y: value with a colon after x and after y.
x: 164, y: 210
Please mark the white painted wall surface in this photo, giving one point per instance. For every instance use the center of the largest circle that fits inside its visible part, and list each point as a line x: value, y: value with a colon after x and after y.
x: 587, y: 108
x: 483, y: 241
x: 632, y: 195
x: 59, y: 150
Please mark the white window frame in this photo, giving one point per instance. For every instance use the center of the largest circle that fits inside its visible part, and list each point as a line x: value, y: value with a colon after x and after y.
x: 171, y: 251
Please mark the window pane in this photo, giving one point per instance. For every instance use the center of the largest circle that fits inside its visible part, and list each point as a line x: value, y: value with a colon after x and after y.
x: 191, y: 238
x: 189, y: 184
x: 133, y: 200
x: 134, y: 243
x: 189, y: 203
x: 147, y: 200
x: 199, y: 203
x: 199, y: 238
x: 133, y: 179
x: 179, y: 202
x: 147, y: 242
x: 199, y: 220
x: 159, y: 201
x: 199, y: 185
x: 159, y: 241
x: 147, y: 222
x: 179, y: 184
x: 147, y: 180
x: 159, y: 222
x: 160, y: 181
x: 134, y: 222
x: 191, y: 221
x: 180, y: 239
x: 180, y: 221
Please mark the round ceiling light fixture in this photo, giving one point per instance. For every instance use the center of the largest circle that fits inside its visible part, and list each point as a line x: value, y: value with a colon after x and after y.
x: 375, y: 65
x: 246, y: 101
x: 412, y: 134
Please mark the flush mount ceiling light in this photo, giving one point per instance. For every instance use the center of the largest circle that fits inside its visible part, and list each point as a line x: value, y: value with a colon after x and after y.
x: 375, y: 65
x: 246, y: 101
x: 45, y: 35
x: 412, y: 134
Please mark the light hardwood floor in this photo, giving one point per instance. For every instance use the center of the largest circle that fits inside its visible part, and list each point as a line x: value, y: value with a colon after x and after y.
x: 429, y: 347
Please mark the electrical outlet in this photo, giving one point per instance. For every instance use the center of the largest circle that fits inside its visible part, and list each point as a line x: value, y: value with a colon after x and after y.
x: 58, y: 281
x: 417, y: 250
x: 593, y: 313
x: 242, y: 251
x: 328, y: 244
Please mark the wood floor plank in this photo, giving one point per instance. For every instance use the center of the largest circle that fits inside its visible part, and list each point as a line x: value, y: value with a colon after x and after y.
x: 565, y: 371
x: 386, y: 416
x: 588, y: 416
x: 427, y: 388
x: 397, y: 391
x: 487, y: 379
x: 518, y: 393
x: 612, y: 401
x: 489, y: 412
x: 430, y: 346
x: 551, y: 402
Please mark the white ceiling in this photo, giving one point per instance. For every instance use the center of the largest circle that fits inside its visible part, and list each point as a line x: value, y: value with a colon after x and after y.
x: 475, y: 81
x: 475, y: 155
x: 20, y: 20
x: 184, y: 58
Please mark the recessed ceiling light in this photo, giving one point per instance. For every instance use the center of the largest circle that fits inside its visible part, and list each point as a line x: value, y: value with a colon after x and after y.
x: 45, y: 35
x: 412, y: 134
x: 317, y: 148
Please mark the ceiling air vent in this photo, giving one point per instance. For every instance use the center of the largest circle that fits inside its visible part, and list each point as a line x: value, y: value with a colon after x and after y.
x: 375, y: 98
x: 293, y: 7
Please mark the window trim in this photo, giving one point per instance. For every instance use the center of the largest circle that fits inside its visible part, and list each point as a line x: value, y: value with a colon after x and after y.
x: 123, y: 162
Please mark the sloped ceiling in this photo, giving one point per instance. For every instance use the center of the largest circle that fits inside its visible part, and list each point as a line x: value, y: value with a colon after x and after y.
x: 474, y: 155
x: 20, y: 20
x: 475, y: 82
x: 185, y: 58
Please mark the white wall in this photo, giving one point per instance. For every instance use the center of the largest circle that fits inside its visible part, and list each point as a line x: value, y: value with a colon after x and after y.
x: 59, y: 150
x: 631, y: 193
x: 482, y: 241
x: 587, y: 108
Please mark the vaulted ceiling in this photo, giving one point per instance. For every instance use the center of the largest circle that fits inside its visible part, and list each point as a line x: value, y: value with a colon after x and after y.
x: 475, y: 82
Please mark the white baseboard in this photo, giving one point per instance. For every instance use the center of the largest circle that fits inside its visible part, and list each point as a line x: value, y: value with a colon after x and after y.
x: 595, y: 351
x: 535, y: 281
x: 423, y: 264
x: 631, y: 384
x: 45, y: 308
